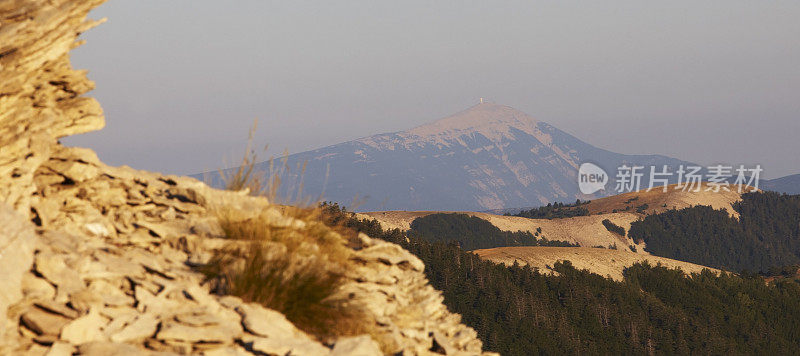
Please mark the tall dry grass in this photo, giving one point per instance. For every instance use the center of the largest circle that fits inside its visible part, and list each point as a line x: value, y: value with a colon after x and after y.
x: 246, y: 175
x: 297, y: 272
x: 280, y: 183
x: 291, y: 258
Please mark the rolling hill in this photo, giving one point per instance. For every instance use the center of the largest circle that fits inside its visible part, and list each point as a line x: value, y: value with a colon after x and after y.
x: 587, y: 231
x: 601, y: 251
x: 582, y: 230
x: 657, y: 200
x: 605, y: 262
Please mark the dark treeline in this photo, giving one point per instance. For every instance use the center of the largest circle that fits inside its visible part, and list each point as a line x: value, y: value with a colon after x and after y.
x: 555, y: 211
x: 518, y: 311
x: 766, y: 235
x: 472, y: 233
x: 610, y: 226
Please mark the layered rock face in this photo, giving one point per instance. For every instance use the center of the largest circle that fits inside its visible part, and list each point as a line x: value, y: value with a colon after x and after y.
x: 98, y: 260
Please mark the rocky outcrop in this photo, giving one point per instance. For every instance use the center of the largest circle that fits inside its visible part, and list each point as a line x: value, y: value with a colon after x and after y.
x: 98, y: 260
x: 17, y: 242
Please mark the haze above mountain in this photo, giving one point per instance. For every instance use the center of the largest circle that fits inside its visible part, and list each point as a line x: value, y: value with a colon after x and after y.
x: 714, y: 84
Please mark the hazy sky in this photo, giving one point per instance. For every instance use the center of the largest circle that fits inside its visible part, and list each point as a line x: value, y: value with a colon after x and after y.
x: 705, y: 81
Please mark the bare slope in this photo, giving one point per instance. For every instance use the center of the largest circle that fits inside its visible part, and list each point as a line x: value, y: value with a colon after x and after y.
x: 605, y: 262
x: 657, y: 200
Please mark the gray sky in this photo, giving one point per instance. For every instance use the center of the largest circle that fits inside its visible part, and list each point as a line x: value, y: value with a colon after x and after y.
x: 705, y: 81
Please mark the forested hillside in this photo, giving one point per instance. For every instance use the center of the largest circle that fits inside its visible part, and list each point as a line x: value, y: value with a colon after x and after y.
x: 518, y: 311
x: 766, y: 235
x: 472, y: 233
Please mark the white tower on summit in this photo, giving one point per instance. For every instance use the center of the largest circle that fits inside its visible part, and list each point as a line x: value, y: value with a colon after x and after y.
x: 481, y: 100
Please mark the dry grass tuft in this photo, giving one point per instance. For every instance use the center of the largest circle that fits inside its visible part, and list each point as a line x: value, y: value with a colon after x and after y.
x: 246, y: 176
x: 291, y: 258
x: 296, y: 269
x: 281, y: 183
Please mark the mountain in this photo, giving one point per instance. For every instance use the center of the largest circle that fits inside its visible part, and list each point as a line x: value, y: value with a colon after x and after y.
x: 486, y: 157
x: 789, y: 184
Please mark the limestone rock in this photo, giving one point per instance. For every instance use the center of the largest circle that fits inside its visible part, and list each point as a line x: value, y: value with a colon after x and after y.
x: 144, y: 326
x: 391, y: 254
x: 227, y: 351
x: 218, y: 333
x: 109, y: 294
x: 16, y: 255
x: 265, y: 322
x: 53, y: 268
x: 60, y: 349
x: 297, y: 347
x: 85, y: 300
x: 85, y: 329
x: 356, y: 346
x: 103, y: 348
x: 42, y: 322
x: 74, y: 170
x: 35, y: 287
x: 442, y: 344
x: 56, y: 308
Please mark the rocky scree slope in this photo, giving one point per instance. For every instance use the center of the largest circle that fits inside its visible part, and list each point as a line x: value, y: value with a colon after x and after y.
x: 97, y: 260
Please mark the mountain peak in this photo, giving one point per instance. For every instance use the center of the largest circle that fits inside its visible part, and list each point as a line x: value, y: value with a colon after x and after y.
x: 489, y: 119
x: 487, y: 156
